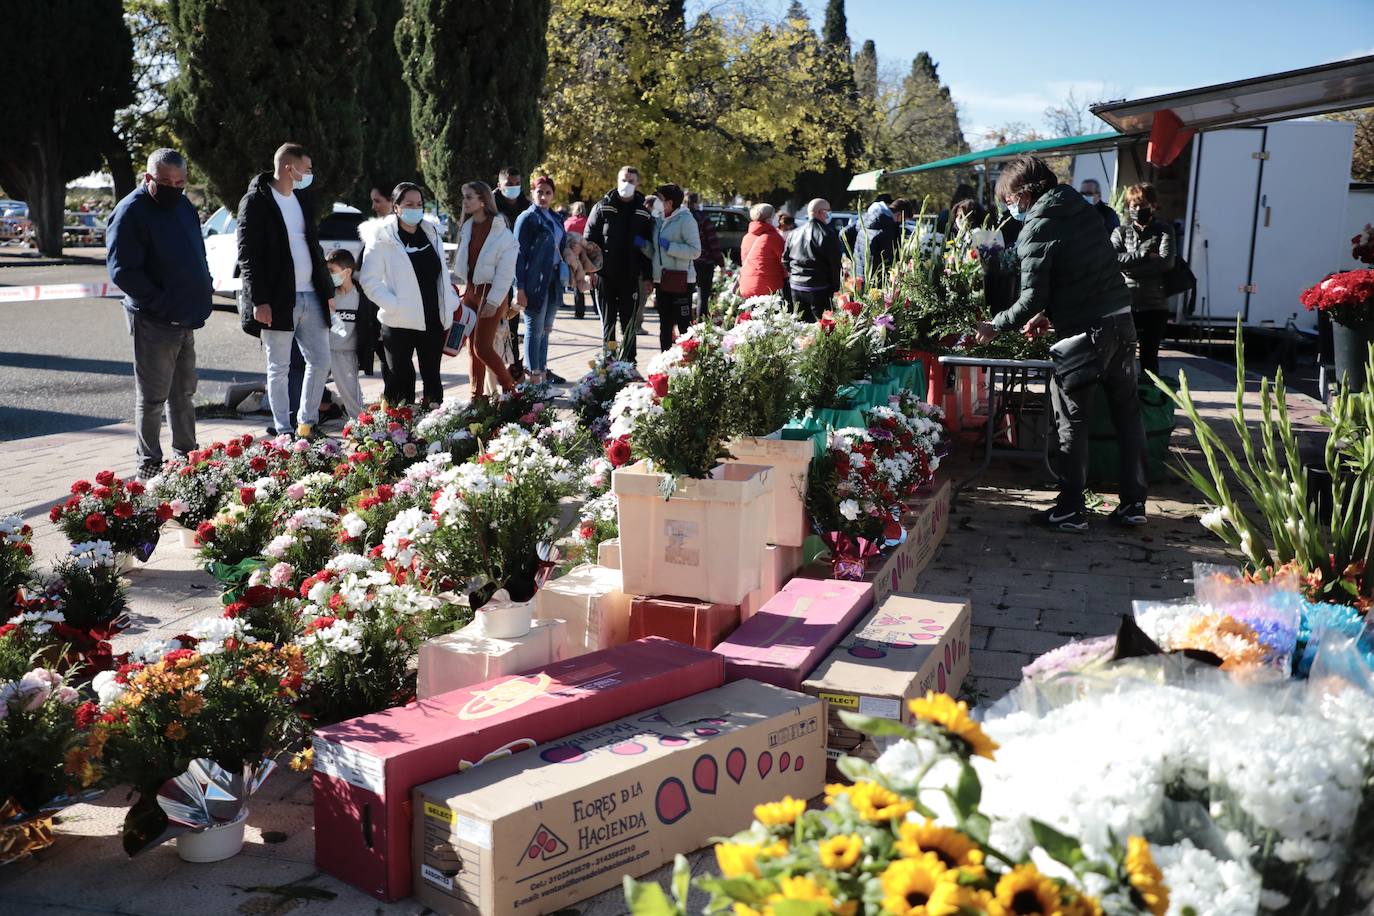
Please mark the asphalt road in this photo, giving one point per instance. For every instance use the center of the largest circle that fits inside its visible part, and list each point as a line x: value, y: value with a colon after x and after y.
x: 66, y: 364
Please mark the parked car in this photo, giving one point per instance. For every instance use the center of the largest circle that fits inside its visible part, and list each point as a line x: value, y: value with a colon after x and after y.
x: 731, y: 224
x: 14, y: 220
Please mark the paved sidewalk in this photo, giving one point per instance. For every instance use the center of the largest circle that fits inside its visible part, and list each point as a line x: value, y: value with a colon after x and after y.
x: 1031, y: 591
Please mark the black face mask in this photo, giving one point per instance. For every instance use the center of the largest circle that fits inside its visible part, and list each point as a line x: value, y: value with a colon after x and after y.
x: 166, y: 195
x: 1142, y: 214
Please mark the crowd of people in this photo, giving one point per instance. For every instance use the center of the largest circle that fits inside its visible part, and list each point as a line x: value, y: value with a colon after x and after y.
x: 1098, y: 282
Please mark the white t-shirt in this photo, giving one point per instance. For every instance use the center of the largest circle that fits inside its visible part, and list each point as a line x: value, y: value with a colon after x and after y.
x: 291, y: 214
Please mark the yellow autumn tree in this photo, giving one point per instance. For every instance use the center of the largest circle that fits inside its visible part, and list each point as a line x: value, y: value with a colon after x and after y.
x: 722, y: 106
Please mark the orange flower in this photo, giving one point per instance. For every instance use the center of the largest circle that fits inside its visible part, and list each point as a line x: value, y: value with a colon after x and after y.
x: 175, y: 731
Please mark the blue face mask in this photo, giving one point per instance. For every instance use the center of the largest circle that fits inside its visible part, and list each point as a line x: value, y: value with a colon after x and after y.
x: 412, y: 215
x: 512, y: 192
x: 1016, y: 212
x: 300, y: 184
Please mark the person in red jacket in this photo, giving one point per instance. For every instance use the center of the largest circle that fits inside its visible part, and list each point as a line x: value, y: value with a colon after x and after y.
x: 761, y: 271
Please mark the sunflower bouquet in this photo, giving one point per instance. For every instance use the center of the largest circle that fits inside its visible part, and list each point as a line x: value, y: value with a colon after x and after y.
x: 914, y: 847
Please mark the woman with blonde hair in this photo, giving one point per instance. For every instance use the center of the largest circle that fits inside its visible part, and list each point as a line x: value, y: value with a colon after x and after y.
x: 761, y: 272
x: 1145, y: 253
x: 484, y: 263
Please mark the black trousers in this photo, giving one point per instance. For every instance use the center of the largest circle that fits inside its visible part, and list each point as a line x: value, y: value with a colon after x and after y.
x: 1149, y: 328
x: 674, y: 315
x: 811, y: 304
x: 706, y: 278
x: 620, y: 305
x: 403, y: 347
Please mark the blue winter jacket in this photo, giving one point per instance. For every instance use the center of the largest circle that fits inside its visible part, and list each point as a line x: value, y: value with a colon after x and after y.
x: 156, y: 255
x: 541, y: 239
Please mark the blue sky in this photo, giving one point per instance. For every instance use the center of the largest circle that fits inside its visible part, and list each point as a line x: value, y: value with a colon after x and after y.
x: 1006, y: 62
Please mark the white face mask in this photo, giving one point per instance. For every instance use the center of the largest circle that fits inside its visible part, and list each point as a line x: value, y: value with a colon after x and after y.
x: 511, y: 192
x: 658, y: 209
x: 626, y: 189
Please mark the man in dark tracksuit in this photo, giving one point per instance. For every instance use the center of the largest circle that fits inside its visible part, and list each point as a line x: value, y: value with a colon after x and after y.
x: 620, y: 223
x: 1070, y: 280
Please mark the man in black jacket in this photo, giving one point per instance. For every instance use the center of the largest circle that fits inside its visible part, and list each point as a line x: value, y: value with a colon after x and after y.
x: 156, y: 256
x: 812, y: 261
x: 619, y: 224
x: 286, y: 282
x: 711, y: 255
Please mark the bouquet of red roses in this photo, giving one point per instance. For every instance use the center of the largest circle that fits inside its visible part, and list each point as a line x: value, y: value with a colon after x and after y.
x: 119, y: 511
x: 1348, y: 296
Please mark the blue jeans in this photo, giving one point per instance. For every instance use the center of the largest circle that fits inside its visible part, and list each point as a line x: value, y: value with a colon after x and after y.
x: 540, y: 310
x: 311, y: 333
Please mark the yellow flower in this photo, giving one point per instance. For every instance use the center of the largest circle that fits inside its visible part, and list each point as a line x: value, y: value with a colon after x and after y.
x: 841, y: 852
x: 743, y: 909
x: 950, y: 846
x: 175, y: 731
x: 941, y: 709
x: 804, y: 887
x: 1084, y: 905
x: 1024, y: 890
x: 873, y: 802
x: 1147, y: 881
x: 740, y: 860
x: 775, y: 814
x: 303, y: 761
x: 921, y: 887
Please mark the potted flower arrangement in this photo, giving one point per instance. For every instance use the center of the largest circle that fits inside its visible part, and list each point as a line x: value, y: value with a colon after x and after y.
x: 86, y: 590
x: 121, y: 512
x: 390, y: 432
x: 231, y: 542
x: 16, y: 560
x: 194, y: 487
x: 1348, y: 299
x: 360, y: 633
x: 195, y: 732
x: 832, y: 359
x: 490, y: 518
x: 855, y: 499
x: 764, y: 355
x: 306, y: 543
x: 41, y: 735
x: 877, y: 847
x: 595, y: 392
x: 677, y: 423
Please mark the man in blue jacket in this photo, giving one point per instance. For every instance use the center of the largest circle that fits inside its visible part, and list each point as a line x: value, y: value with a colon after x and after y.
x: 156, y: 256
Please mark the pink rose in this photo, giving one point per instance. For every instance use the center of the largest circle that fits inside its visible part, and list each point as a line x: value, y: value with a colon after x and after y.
x: 281, y: 574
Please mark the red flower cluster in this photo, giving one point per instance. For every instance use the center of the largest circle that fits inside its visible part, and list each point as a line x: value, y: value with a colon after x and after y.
x: 1362, y: 246
x: 659, y: 383
x: 1347, y: 296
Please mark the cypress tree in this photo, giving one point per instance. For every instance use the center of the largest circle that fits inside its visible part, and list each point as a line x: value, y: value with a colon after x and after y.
x: 832, y: 182
x: 476, y: 72
x: 253, y: 76
x: 384, y: 107
x: 835, y: 31
x: 866, y: 70
x: 58, y: 118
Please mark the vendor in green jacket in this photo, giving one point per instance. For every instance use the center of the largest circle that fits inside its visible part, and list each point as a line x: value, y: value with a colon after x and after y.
x: 1070, y: 281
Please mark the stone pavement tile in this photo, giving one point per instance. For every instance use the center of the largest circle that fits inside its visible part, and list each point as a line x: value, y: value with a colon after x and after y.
x: 1113, y: 580
x: 991, y: 663
x: 1048, y: 597
x: 1035, y: 642
x: 1024, y: 617
x: 1080, y: 623
x: 985, y: 690
x: 978, y: 637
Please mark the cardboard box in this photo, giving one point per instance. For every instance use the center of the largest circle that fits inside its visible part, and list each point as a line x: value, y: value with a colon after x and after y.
x: 687, y: 620
x: 591, y: 600
x: 899, y: 569
x: 608, y: 553
x: 469, y: 656
x: 544, y: 830
x: 365, y: 768
x: 907, y: 645
x: 794, y: 631
x: 780, y: 564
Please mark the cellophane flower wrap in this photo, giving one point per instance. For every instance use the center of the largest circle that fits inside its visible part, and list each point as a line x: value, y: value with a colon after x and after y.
x: 216, y: 693
x: 911, y: 838
x: 595, y: 392
x: 490, y: 516
x: 1347, y: 296
x: 1262, y: 780
x: 122, y: 512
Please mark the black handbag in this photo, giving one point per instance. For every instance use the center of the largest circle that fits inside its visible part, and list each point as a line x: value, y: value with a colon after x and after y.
x: 1077, y: 363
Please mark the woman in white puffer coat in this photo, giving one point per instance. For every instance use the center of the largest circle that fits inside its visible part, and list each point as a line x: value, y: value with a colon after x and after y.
x: 485, y: 265
x: 403, y: 272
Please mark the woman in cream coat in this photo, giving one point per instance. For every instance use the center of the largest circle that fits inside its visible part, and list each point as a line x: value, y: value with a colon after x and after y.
x: 403, y: 273
x: 484, y: 264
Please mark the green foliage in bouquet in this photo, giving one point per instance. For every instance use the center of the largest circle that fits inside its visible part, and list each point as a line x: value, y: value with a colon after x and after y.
x: 1286, y: 528
x: 684, y: 433
x: 833, y: 355
x: 763, y: 348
